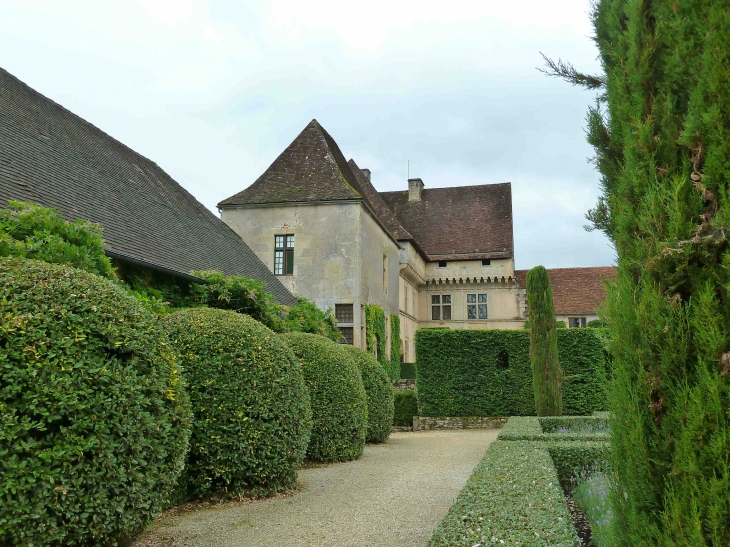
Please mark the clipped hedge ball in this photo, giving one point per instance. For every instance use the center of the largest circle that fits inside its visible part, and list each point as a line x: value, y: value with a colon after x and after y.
x: 251, y: 414
x: 339, y: 408
x: 94, y: 421
x: 378, y: 394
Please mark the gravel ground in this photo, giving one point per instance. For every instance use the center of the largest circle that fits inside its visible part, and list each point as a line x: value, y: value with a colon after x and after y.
x: 393, y: 496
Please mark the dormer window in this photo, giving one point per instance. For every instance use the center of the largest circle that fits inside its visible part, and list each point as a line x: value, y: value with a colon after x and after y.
x: 442, y: 263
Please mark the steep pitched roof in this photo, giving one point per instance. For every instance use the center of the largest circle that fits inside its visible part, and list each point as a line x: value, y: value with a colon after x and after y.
x: 312, y: 168
x: 460, y: 223
x: 52, y: 157
x: 575, y: 290
x: 385, y: 215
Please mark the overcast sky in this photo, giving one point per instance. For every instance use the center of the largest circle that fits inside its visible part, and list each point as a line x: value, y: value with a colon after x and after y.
x: 214, y: 91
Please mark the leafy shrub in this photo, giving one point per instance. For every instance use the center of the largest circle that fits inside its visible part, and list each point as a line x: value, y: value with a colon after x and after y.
x: 394, y: 345
x: 307, y: 317
x: 547, y: 376
x: 378, y: 394
x: 513, y: 497
x: 251, y: 412
x: 237, y: 293
x: 28, y: 230
x: 406, y: 406
x: 463, y: 372
x: 339, y: 408
x: 95, y: 422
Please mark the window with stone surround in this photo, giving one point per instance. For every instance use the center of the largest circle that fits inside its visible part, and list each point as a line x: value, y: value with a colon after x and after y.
x: 440, y: 307
x: 476, y: 306
x: 576, y: 322
x: 345, y: 315
x: 284, y: 254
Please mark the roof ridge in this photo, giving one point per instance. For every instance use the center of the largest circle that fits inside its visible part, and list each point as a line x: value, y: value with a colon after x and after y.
x: 452, y: 187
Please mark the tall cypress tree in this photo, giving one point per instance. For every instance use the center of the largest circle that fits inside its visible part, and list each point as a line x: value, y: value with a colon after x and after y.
x: 662, y: 136
x: 547, y: 376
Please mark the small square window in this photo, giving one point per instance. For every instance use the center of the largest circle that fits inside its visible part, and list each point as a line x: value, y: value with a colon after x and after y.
x: 486, y: 262
x: 482, y: 298
x: 436, y: 299
x: 344, y: 313
x: 347, y: 334
x: 471, y: 298
x: 446, y: 299
x: 442, y: 263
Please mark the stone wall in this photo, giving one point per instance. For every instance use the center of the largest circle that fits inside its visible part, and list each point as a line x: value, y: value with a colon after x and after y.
x: 404, y: 385
x: 426, y: 423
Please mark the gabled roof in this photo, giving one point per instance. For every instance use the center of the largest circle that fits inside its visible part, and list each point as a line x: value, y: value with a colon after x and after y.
x: 460, y: 223
x: 52, y: 157
x: 312, y: 168
x: 385, y: 215
x: 575, y: 290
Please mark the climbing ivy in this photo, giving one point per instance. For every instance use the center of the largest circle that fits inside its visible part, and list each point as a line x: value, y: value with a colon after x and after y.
x: 375, y: 334
x: 395, y: 342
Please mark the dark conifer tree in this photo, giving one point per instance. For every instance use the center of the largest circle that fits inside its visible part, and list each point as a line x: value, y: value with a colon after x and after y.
x: 547, y: 376
x: 661, y: 132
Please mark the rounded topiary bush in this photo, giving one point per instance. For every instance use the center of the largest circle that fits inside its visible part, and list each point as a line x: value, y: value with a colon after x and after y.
x: 251, y: 412
x: 339, y: 409
x: 378, y: 394
x: 93, y: 420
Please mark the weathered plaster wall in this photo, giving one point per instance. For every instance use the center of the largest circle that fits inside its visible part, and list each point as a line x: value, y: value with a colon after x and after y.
x: 471, y: 268
x: 376, y: 246
x: 327, y: 240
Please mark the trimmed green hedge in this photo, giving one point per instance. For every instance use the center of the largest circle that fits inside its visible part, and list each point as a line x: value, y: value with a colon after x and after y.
x: 488, y: 373
x: 531, y: 428
x: 251, y: 411
x: 94, y: 422
x: 378, y: 393
x: 406, y: 406
x: 408, y: 371
x: 339, y: 407
x: 513, y: 497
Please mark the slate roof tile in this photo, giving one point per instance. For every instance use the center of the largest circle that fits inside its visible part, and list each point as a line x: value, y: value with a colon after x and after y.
x: 52, y: 157
x: 575, y: 290
x: 459, y: 223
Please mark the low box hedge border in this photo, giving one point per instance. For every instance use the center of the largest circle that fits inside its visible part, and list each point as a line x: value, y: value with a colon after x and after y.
x: 515, y: 494
x: 513, y: 497
x: 532, y: 428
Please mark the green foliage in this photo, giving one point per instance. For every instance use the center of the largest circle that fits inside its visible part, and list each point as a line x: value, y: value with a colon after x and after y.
x: 564, y: 428
x: 307, y: 317
x: 375, y: 335
x: 395, y: 345
x: 406, y: 406
x: 662, y: 145
x: 378, y: 394
x: 597, y: 324
x: 339, y: 407
x: 160, y: 293
x: 28, y: 230
x: 251, y: 411
x: 408, y: 371
x: 488, y: 372
x: 513, y: 497
x: 547, y: 376
x: 237, y: 293
x: 95, y: 422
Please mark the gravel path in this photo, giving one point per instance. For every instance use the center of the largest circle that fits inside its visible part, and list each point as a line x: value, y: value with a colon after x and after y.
x: 393, y: 496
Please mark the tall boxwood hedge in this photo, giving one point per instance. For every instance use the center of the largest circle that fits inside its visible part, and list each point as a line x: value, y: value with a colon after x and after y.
x: 94, y: 422
x: 488, y: 373
x: 251, y: 412
x: 378, y: 393
x: 339, y: 408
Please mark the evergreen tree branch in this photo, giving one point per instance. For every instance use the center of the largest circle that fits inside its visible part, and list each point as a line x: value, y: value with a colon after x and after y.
x: 567, y: 72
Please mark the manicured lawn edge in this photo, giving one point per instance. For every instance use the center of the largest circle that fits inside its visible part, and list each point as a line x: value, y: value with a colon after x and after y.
x: 530, y: 428
x: 513, y: 497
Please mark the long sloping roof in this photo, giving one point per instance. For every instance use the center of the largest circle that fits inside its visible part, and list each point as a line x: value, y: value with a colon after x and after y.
x: 459, y: 223
x: 312, y: 168
x: 52, y: 157
x: 575, y: 290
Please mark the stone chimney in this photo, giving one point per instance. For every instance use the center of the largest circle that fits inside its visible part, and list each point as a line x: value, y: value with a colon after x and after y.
x: 366, y: 172
x: 415, y: 186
